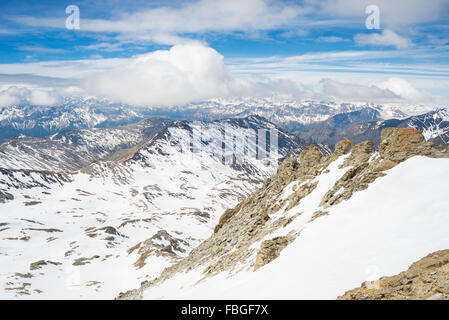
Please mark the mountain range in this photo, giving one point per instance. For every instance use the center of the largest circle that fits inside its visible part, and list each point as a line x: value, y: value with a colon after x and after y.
x: 95, y: 189
x: 321, y: 225
x: 133, y: 214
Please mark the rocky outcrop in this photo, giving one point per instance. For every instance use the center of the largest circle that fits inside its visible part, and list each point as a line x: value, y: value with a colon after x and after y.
x: 270, y: 250
x: 160, y: 244
x: 5, y: 196
x: 249, y: 225
x: 397, y: 146
x: 427, y: 278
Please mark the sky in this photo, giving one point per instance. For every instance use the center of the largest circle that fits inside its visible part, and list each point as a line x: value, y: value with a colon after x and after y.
x: 161, y: 53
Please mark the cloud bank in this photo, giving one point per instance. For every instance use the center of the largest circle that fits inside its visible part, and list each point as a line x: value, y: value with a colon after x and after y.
x: 19, y: 95
x: 182, y: 74
x: 194, y: 72
x: 392, y: 90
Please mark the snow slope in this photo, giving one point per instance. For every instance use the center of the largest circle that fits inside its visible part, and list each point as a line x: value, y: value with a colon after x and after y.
x: 72, y: 239
x: 380, y: 231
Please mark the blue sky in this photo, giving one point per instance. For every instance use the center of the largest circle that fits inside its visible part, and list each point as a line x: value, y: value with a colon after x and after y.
x: 308, y: 42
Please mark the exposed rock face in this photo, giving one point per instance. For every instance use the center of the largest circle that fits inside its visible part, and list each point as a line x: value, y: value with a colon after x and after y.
x: 400, y: 144
x: 397, y: 146
x: 343, y: 147
x: 310, y: 156
x: 162, y: 243
x: 5, y: 196
x: 270, y: 250
x: 252, y: 221
x: 427, y: 278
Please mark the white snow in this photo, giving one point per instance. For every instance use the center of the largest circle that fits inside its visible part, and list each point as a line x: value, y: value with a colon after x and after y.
x: 178, y: 191
x: 380, y: 231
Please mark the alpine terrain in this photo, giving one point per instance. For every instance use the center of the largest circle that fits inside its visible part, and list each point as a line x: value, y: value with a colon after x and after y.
x: 91, y: 232
x: 322, y: 225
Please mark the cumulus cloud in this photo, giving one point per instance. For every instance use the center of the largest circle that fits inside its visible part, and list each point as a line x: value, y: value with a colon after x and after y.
x: 18, y: 95
x: 182, y: 74
x: 386, y: 38
x: 185, y: 73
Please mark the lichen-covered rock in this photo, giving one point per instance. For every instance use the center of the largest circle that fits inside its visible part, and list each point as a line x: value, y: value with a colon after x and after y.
x: 343, y: 147
x: 427, y: 278
x: 399, y: 144
x: 270, y: 250
x: 310, y: 156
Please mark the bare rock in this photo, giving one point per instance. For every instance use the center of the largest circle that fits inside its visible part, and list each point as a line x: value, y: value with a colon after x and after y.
x: 427, y: 278
x: 399, y: 144
x: 270, y: 250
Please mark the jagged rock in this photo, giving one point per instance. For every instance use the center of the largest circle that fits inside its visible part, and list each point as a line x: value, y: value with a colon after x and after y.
x: 38, y: 264
x: 318, y: 214
x: 400, y: 144
x: 229, y: 213
x: 360, y: 153
x: 343, y: 147
x: 160, y: 244
x: 310, y: 156
x: 286, y: 168
x: 300, y: 193
x: 82, y: 261
x: 270, y: 250
x: 427, y: 278
x: 5, y: 196
x: 384, y: 164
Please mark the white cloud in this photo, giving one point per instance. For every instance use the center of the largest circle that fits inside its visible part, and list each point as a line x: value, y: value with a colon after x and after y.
x: 332, y: 39
x: 103, y: 46
x: 166, y: 24
x: 355, y: 92
x: 16, y: 95
x: 147, y: 79
x: 182, y: 74
x: 37, y: 49
x: 402, y: 88
x: 392, y: 90
x: 42, y: 98
x: 386, y: 38
x: 393, y: 13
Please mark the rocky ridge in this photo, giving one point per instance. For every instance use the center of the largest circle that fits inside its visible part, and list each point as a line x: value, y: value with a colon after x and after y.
x: 427, y: 279
x: 247, y: 236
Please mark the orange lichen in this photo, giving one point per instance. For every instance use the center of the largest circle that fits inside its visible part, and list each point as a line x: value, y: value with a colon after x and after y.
x: 408, y: 131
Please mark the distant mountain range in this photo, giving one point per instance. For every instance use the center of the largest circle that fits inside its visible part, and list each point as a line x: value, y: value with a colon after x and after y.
x: 91, y: 189
x: 366, y: 124
x: 70, y: 150
x: 90, y: 112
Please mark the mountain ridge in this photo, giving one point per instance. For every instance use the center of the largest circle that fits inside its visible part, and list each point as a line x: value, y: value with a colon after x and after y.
x: 268, y: 216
